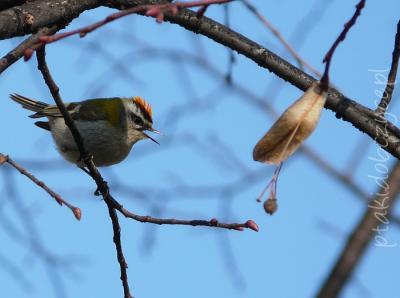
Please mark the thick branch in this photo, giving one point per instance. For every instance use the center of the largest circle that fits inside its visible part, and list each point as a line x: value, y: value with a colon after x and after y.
x: 33, y: 15
x: 359, y: 116
x: 376, y: 214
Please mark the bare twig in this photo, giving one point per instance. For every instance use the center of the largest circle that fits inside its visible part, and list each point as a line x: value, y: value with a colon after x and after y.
x: 250, y: 224
x: 102, y: 186
x: 340, y: 38
x: 391, y: 81
x: 75, y: 210
x: 231, y: 54
x: 302, y: 63
x: 153, y: 10
x: 20, y: 50
x: 95, y: 174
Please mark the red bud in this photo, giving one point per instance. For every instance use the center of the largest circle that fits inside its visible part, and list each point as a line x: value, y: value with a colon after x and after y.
x: 28, y: 54
x: 251, y: 224
x: 77, y: 212
x: 213, y: 222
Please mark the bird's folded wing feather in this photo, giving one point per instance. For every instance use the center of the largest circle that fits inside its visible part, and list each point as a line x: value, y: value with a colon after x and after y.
x: 89, y: 110
x: 53, y: 111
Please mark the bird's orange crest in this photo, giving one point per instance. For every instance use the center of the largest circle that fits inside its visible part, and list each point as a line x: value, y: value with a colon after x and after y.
x: 143, y: 105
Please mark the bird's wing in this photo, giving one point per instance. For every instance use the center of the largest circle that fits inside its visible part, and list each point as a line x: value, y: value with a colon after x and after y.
x: 53, y: 111
x: 108, y: 109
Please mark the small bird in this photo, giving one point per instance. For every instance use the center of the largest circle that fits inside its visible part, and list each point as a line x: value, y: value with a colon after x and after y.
x: 109, y: 126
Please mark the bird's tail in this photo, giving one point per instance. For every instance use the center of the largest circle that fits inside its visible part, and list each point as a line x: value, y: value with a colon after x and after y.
x: 29, y: 104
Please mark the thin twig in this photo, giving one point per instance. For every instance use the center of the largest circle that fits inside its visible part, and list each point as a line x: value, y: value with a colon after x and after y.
x: 231, y: 54
x: 101, y: 184
x: 153, y: 10
x: 302, y: 63
x: 340, y: 38
x: 391, y: 81
x: 15, y: 54
x: 250, y: 224
x: 75, y: 210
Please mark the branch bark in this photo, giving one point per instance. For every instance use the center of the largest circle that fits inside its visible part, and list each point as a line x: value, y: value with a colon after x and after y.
x: 377, y: 213
x: 33, y: 15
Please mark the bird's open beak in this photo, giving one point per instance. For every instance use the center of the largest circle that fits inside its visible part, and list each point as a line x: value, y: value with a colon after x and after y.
x: 154, y: 130
x: 149, y: 137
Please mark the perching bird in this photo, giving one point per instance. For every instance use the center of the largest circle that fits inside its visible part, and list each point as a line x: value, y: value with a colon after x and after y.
x: 109, y: 126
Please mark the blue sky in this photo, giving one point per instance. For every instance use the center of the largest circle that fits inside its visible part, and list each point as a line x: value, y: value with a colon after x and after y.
x: 182, y: 178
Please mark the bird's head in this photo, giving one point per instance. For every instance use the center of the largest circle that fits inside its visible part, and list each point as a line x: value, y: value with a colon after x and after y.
x: 139, y: 119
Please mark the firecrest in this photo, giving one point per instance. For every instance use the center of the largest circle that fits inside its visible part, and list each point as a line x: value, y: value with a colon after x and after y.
x: 109, y: 126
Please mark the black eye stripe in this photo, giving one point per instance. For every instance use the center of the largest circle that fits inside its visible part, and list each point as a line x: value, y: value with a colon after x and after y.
x: 137, y: 119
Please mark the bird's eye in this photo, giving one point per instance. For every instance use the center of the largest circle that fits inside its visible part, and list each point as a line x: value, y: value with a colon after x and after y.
x: 137, y: 120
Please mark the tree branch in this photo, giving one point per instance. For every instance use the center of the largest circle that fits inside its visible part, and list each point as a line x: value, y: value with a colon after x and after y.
x: 340, y: 38
x: 301, y: 62
x: 361, y: 117
x: 19, y: 51
x: 33, y: 15
x: 391, y: 81
x: 75, y: 210
x: 101, y: 184
x: 376, y: 214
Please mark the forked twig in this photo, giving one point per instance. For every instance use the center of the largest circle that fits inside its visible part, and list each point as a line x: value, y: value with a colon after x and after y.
x: 103, y: 188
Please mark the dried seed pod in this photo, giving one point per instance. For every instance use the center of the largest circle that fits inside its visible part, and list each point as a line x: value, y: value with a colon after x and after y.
x: 292, y: 127
x: 270, y: 206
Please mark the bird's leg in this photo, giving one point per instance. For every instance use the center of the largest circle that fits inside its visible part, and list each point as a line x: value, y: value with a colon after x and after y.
x: 84, y: 159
